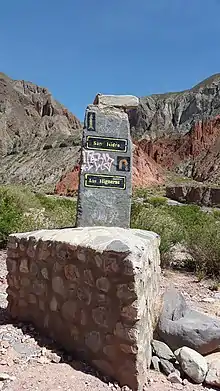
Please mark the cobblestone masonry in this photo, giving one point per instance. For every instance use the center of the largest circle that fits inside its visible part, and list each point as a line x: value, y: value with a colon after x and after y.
x: 91, y: 289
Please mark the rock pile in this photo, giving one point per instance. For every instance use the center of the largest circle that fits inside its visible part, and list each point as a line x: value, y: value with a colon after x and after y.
x: 186, y: 342
x: 200, y: 195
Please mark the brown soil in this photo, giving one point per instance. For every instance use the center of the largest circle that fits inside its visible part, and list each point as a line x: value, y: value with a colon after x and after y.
x: 35, y: 363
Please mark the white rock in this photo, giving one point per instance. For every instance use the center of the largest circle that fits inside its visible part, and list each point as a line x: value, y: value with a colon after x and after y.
x: 174, y: 378
x: 162, y: 350
x: 213, y: 375
x: 208, y: 300
x: 126, y: 101
x: 193, y: 364
x: 5, y: 376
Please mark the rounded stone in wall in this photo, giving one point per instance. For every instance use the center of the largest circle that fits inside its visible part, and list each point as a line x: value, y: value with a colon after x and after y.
x: 128, y: 349
x: 101, y: 316
x: 84, y: 295
x: 41, y: 305
x: 98, y: 260
x: 110, y: 265
x: 31, y: 250
x: 53, y: 304
x: 88, y: 278
x: 74, y: 333
x: 125, y: 332
x: 69, y: 309
x: 22, y: 246
x: 81, y: 256
x: 16, y: 282
x: 46, y: 321
x: 39, y: 288
x: 130, y: 312
x: 57, y: 267
x: 24, y: 266
x: 93, y: 341
x: 44, y: 273
x: 103, y: 284
x: 102, y: 299
x: 128, y: 268
x: 83, y: 318
x: 11, y: 293
x: 125, y: 292
x: 11, y: 265
x: 71, y: 272
x: 58, y: 285
x: 33, y: 268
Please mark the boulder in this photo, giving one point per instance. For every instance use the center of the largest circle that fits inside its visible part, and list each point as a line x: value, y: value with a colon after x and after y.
x: 155, y: 363
x: 174, y: 378
x: 162, y: 350
x: 126, y: 101
x: 167, y: 366
x: 213, y: 374
x: 193, y: 364
x: 179, y: 325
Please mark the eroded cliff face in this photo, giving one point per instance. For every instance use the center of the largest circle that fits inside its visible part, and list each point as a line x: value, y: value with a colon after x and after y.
x: 38, y: 136
x: 181, y: 131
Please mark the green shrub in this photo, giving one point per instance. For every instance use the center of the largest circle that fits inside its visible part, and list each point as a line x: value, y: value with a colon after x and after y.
x: 23, y: 211
x: 157, y: 201
x: 198, y: 231
x: 10, y: 217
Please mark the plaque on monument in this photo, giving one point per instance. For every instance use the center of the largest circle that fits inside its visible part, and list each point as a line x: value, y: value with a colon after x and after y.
x: 105, y: 188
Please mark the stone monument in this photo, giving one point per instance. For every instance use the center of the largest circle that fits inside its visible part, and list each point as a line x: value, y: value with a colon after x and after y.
x: 105, y: 187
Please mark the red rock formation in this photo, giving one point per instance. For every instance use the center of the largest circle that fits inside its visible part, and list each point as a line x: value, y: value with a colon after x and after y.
x: 171, y: 150
x: 68, y: 183
x: 145, y: 171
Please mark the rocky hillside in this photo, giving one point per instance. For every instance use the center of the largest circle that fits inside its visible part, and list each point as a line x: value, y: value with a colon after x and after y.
x: 39, y: 137
x: 182, y: 130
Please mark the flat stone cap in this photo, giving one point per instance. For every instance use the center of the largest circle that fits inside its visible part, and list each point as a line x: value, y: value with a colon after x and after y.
x: 97, y: 238
x: 125, y: 101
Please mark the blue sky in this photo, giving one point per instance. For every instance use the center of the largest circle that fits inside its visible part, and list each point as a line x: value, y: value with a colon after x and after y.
x: 78, y: 48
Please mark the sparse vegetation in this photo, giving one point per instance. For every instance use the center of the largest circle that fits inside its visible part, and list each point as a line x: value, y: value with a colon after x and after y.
x: 22, y: 210
x: 198, y: 231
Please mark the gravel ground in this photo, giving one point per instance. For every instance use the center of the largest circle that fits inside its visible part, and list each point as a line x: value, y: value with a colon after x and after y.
x: 29, y: 361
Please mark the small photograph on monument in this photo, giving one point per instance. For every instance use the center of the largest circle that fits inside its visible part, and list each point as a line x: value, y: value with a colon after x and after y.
x: 123, y: 163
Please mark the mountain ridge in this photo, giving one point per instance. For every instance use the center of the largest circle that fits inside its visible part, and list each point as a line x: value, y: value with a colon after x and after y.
x: 40, y: 139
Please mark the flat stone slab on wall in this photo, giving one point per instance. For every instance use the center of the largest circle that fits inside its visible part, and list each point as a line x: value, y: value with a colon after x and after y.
x: 93, y: 290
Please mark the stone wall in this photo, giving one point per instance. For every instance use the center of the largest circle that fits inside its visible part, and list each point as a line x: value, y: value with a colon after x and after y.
x: 192, y: 194
x: 91, y: 289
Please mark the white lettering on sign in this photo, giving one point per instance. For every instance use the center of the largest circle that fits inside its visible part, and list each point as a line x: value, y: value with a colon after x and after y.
x: 97, y: 161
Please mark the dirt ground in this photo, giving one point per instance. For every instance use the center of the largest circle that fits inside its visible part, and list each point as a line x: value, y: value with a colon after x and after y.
x: 34, y: 363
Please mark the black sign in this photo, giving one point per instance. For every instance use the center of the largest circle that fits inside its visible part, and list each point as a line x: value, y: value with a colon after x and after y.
x: 107, y: 143
x: 91, y: 125
x: 123, y: 163
x: 105, y: 181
